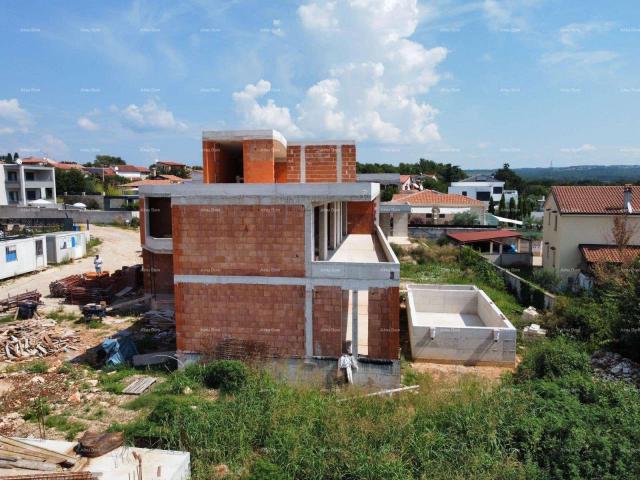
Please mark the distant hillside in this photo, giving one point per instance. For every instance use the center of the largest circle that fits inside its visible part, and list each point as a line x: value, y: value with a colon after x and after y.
x: 602, y: 173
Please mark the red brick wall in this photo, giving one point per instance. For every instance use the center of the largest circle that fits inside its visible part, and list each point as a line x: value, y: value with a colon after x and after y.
x: 320, y: 164
x: 270, y: 314
x: 293, y: 164
x: 263, y: 240
x: 157, y: 272
x: 384, y: 323
x: 328, y: 309
x: 348, y: 163
x: 258, y: 159
x: 361, y: 217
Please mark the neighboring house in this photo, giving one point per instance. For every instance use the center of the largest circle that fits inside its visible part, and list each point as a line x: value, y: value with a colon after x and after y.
x: 22, y: 255
x: 405, y: 182
x: 426, y: 207
x: 100, y: 171
x: 384, y: 179
x: 577, y: 227
x: 22, y: 183
x: 290, y: 264
x: 483, y: 188
x: 131, y: 171
x: 173, y: 168
x: 47, y: 162
x: 133, y: 187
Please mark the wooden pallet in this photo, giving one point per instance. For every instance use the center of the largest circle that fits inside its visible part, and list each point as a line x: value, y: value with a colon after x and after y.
x: 139, y: 386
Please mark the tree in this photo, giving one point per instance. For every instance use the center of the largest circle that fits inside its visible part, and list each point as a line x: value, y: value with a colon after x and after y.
x: 492, y: 205
x: 106, y: 161
x: 465, y: 218
x: 15, y: 156
x: 72, y: 181
x: 388, y: 192
x: 502, y: 206
x: 512, y: 181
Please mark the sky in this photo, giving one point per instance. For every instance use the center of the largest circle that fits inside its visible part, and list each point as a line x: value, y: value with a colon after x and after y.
x: 532, y: 83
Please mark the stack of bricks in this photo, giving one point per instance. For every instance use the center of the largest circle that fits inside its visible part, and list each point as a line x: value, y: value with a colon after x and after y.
x: 272, y: 315
x: 384, y: 323
x: 328, y: 308
x: 257, y: 240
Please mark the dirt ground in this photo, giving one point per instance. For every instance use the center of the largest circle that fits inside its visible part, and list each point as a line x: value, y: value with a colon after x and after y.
x: 70, y: 386
x: 119, y: 247
x: 445, y: 372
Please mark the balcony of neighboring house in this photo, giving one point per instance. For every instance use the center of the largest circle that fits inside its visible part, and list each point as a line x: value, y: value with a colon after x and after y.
x: 158, y: 224
x: 38, y: 177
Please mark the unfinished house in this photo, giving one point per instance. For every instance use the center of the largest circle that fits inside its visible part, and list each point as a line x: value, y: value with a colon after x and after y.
x: 278, y: 253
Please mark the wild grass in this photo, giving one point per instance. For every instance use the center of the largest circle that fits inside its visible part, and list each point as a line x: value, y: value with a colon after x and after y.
x: 534, y: 425
x: 62, y: 315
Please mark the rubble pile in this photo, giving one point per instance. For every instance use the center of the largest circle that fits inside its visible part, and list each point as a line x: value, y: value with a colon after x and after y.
x: 97, y: 287
x: 613, y: 366
x: 35, y: 338
x: 161, y: 319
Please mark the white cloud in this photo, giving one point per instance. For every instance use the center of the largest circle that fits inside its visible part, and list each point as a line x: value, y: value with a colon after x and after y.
x: 54, y: 147
x: 580, y: 58
x: 13, y: 118
x: 87, y: 124
x: 375, y: 80
x: 149, y: 117
x: 573, y: 33
x: 268, y: 115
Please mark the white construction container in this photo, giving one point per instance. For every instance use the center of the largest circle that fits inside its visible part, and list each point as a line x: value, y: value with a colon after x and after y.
x: 22, y: 255
x: 458, y: 324
x: 65, y: 246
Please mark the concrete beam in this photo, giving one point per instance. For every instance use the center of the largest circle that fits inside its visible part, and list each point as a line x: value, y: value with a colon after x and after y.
x: 354, y: 324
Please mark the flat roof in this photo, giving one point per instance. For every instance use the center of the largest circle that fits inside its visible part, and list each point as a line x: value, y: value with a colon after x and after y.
x: 242, y: 135
x: 483, y: 236
x: 281, y: 191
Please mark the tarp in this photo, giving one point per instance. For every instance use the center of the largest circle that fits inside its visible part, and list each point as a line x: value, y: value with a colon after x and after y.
x: 119, y: 350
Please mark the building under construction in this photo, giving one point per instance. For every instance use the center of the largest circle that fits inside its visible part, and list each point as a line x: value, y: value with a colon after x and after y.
x: 278, y: 251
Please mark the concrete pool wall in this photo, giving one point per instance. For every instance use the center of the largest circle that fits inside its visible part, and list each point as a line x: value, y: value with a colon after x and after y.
x: 458, y: 324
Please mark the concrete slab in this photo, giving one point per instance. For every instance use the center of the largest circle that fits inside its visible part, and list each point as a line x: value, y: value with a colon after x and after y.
x: 359, y: 249
x: 120, y: 464
x: 450, y: 320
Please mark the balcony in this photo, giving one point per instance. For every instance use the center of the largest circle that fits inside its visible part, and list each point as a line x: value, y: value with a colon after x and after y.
x: 360, y: 257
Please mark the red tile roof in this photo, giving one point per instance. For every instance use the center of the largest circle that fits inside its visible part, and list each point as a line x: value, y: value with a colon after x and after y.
x: 404, y: 178
x: 147, y: 181
x: 173, y: 178
x: 483, y: 236
x: 609, y: 253
x: 431, y: 197
x: 132, y: 169
x: 171, y: 164
x: 602, y: 200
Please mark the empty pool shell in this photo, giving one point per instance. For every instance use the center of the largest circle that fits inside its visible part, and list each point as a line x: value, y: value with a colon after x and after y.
x: 458, y: 324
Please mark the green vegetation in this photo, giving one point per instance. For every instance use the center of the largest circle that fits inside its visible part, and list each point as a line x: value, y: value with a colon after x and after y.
x: 92, y: 246
x: 37, y: 366
x: 111, y: 380
x: 62, y: 315
x: 535, y: 424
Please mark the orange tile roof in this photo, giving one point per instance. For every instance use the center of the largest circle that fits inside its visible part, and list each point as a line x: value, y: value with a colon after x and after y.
x: 404, y: 178
x: 171, y: 164
x: 599, y: 200
x: 431, y: 197
x: 609, y: 253
x: 173, y: 178
x: 482, y: 236
x: 156, y: 181
x: 131, y: 169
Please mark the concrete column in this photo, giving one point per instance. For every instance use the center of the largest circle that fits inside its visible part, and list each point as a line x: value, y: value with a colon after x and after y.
x: 339, y: 163
x: 303, y: 165
x: 323, y: 231
x: 23, y: 187
x: 400, y: 225
x: 336, y: 224
x: 344, y: 220
x: 490, y: 247
x: 308, y: 238
x: 354, y: 324
x: 308, y: 322
x: 500, y: 251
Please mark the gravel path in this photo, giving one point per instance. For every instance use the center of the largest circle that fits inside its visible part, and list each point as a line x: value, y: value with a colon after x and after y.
x: 119, y: 247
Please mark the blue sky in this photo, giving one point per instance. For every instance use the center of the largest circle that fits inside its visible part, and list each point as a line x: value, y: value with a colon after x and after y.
x: 474, y: 83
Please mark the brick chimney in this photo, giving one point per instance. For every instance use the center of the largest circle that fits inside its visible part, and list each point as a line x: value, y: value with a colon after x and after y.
x: 627, y: 198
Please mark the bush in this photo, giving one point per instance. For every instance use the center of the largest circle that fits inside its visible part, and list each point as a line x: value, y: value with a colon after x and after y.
x: 265, y: 470
x: 227, y: 375
x: 135, y: 222
x: 547, y: 279
x: 553, y: 358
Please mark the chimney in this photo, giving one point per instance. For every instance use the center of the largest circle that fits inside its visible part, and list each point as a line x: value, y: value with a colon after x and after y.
x: 627, y: 198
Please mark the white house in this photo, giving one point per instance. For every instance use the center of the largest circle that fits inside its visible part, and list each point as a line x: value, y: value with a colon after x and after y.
x: 483, y: 188
x: 21, y: 183
x: 22, y: 255
x: 131, y: 171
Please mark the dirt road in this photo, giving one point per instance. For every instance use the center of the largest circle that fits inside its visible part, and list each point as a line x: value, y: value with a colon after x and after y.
x: 119, y: 247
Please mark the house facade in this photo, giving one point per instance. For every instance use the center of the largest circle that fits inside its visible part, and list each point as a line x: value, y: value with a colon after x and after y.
x: 22, y: 183
x: 578, y: 222
x: 131, y: 171
x: 278, y: 251
x: 483, y: 188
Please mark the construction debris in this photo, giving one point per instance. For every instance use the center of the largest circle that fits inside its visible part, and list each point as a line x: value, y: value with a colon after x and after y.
x: 53, y: 476
x: 613, y: 366
x: 97, y: 287
x: 17, y: 454
x: 12, y: 301
x: 161, y: 319
x: 139, y: 386
x: 35, y: 338
x: 93, y: 444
